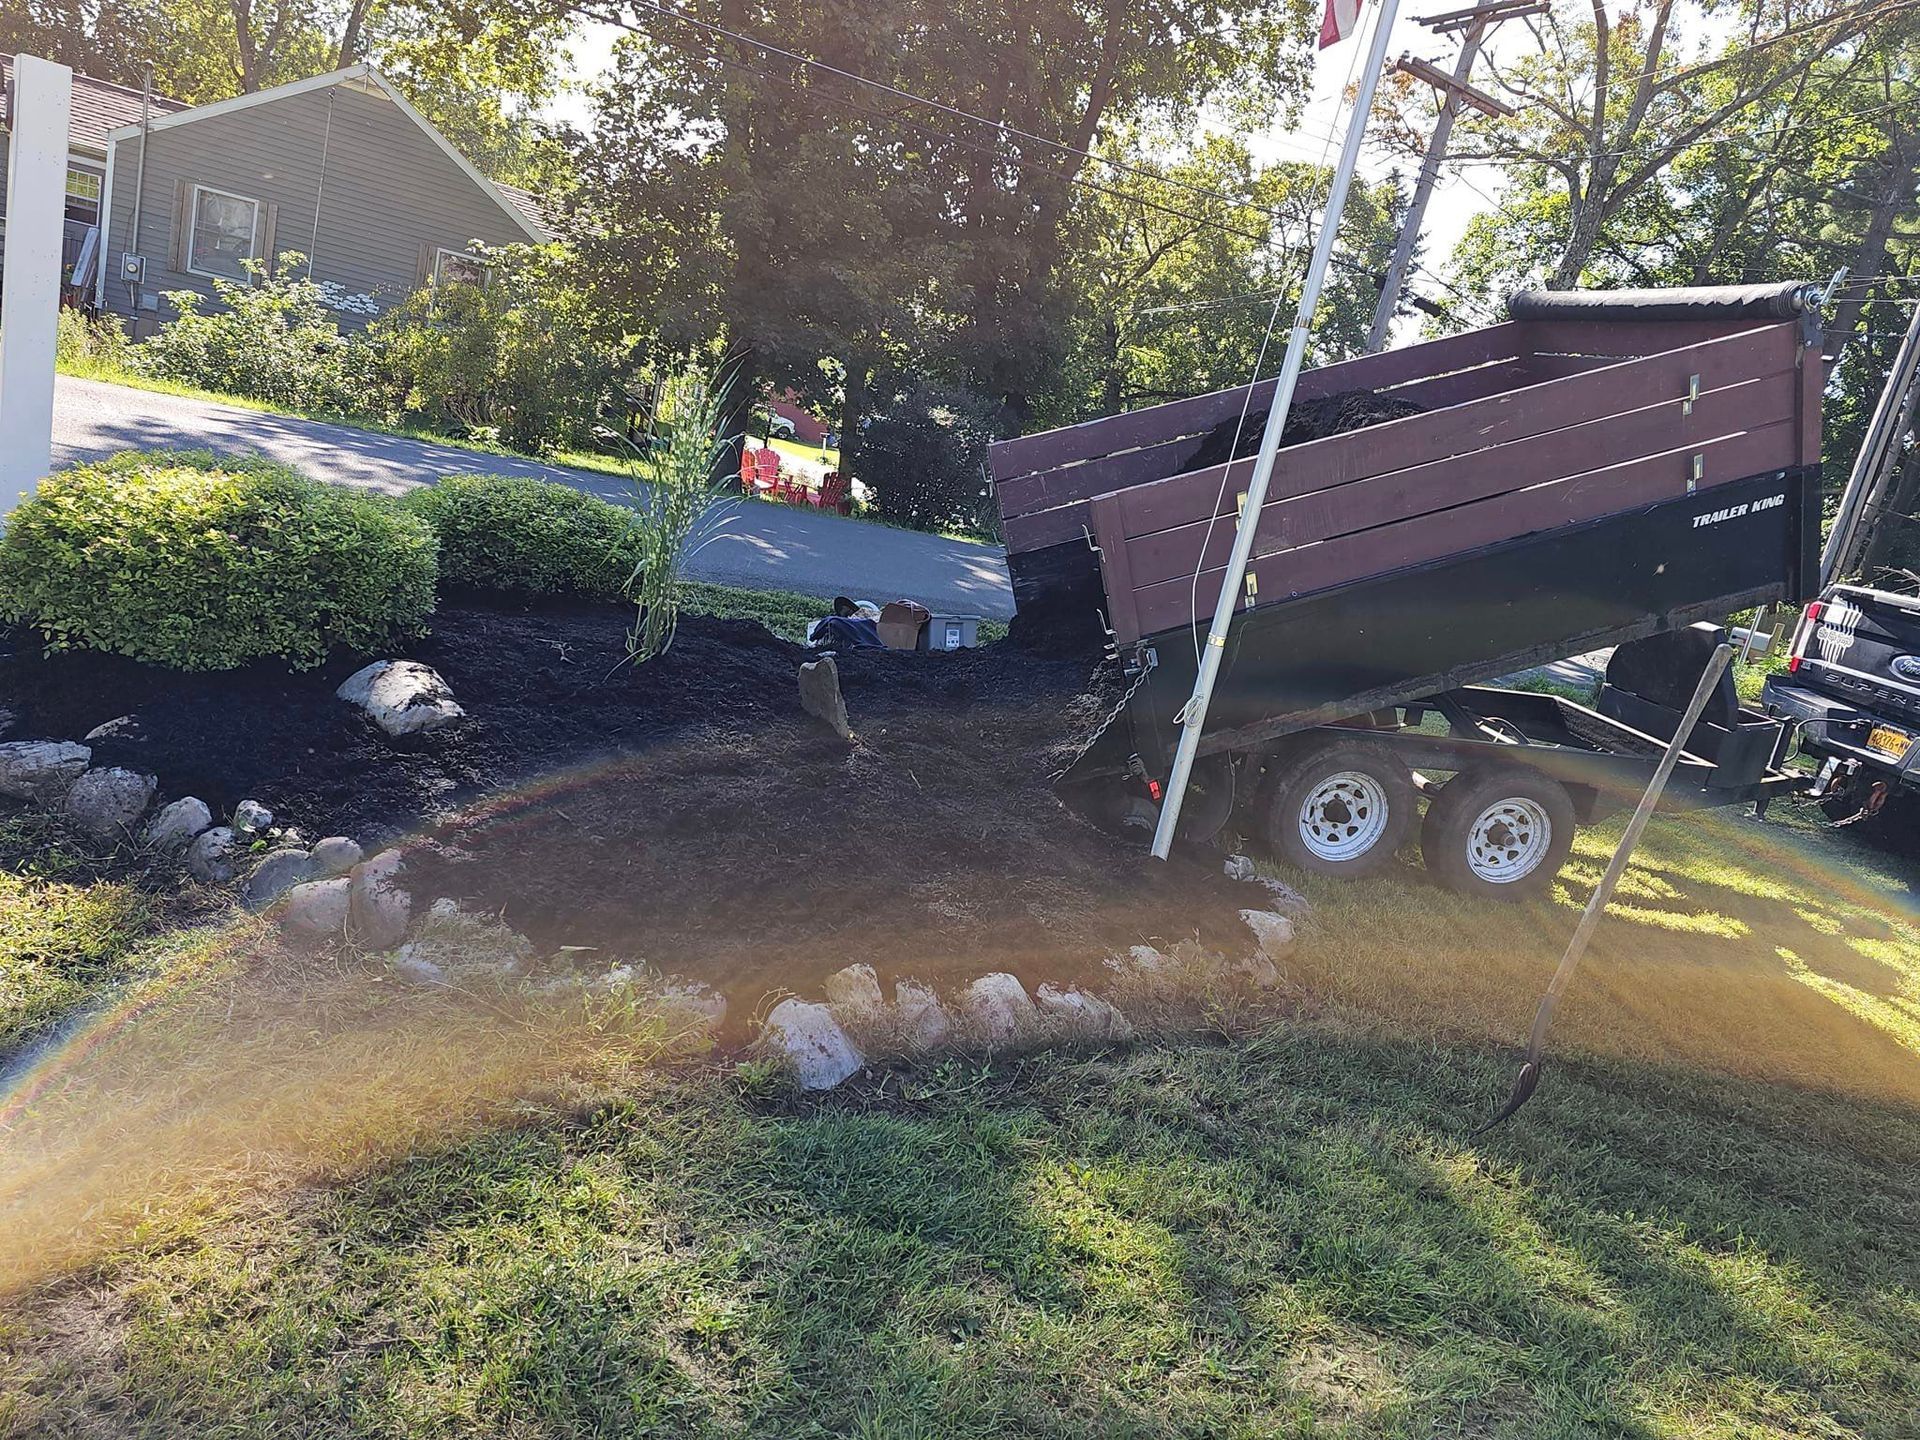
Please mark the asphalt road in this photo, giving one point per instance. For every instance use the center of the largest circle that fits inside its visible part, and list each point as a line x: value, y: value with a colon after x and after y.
x: 753, y: 543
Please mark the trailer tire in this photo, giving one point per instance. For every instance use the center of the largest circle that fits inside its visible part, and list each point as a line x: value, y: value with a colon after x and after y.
x: 1499, y: 834
x: 1336, y: 807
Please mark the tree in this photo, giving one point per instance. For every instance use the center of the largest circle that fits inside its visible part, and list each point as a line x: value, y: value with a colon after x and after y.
x: 802, y: 214
x: 1171, y: 285
x: 1606, y: 103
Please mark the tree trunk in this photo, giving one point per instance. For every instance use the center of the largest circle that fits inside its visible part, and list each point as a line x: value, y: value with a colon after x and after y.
x: 854, y: 403
x: 1900, y: 174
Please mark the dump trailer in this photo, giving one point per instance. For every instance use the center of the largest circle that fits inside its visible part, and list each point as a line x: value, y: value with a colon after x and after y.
x: 1605, y: 469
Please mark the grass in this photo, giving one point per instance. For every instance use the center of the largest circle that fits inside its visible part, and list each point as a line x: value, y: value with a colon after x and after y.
x: 1701, y: 1227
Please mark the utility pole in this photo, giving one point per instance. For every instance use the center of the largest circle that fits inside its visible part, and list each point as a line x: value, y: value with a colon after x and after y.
x: 1473, y: 25
x: 1882, y: 451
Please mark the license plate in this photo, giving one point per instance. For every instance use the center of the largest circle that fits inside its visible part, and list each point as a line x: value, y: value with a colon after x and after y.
x: 1890, y: 743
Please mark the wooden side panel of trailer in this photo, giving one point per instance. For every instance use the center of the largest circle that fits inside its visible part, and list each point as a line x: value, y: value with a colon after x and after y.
x: 1599, y: 430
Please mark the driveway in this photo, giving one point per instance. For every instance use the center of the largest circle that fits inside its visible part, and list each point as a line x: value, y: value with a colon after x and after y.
x: 761, y: 545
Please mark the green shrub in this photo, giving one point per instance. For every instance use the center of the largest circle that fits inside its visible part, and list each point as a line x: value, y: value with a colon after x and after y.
x: 275, y: 340
x: 533, y: 537
x: 528, y: 360
x: 182, y: 559
x: 91, y: 347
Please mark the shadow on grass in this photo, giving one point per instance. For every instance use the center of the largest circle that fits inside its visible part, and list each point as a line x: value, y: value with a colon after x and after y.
x: 1284, y: 1236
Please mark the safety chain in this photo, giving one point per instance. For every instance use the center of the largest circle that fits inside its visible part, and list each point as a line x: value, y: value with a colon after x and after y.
x: 1106, y: 724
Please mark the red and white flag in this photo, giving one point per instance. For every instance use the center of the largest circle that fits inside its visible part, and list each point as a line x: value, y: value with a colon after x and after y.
x: 1339, y: 20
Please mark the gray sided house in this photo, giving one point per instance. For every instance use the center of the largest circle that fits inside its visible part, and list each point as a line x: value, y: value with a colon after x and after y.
x: 339, y: 168
x: 99, y: 109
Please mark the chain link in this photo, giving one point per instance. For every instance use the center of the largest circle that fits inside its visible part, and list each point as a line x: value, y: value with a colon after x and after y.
x: 1106, y: 724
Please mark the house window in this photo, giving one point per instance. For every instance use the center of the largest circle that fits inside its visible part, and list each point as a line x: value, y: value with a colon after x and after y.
x: 458, y: 267
x: 220, y: 235
x: 83, y: 196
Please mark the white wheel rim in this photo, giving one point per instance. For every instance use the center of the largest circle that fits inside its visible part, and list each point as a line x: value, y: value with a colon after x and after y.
x: 1344, y: 816
x: 1509, y: 840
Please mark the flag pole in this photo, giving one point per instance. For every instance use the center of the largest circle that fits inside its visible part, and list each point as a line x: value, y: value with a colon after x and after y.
x: 1193, y: 715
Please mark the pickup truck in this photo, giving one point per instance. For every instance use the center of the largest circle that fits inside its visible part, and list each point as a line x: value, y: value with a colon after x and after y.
x: 1851, y: 690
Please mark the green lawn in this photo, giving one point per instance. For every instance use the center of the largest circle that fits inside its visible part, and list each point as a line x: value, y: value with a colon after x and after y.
x: 275, y: 1196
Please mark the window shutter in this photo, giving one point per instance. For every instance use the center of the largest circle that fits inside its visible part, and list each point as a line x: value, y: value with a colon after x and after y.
x: 425, y: 271
x: 269, y: 222
x: 177, y: 245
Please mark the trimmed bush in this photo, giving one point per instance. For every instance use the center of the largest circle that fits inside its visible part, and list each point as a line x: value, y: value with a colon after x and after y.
x: 531, y: 537
x: 180, y: 558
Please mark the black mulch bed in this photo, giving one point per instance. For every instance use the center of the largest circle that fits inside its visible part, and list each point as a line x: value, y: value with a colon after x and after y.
x: 684, y: 812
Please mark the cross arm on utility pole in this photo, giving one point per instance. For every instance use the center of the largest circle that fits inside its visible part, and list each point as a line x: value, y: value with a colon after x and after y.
x: 1472, y: 25
x: 1452, y: 87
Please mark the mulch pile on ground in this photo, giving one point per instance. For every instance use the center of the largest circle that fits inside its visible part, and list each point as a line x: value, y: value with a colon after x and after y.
x: 686, y: 812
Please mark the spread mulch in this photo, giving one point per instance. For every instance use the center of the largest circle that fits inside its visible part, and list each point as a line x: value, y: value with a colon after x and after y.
x: 685, y: 812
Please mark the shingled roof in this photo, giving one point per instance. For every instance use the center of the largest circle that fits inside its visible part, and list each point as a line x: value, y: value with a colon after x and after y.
x: 99, y: 108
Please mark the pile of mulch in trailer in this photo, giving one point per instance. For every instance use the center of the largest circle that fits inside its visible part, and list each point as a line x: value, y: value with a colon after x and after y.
x: 685, y: 812
x: 1062, y: 619
x: 1235, y: 439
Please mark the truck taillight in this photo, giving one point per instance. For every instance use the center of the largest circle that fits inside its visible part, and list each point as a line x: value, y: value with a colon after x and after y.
x: 1803, y: 632
x: 1793, y: 665
x: 1815, y: 611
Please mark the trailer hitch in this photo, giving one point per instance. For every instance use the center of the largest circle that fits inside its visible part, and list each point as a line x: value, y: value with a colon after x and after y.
x: 1528, y: 1080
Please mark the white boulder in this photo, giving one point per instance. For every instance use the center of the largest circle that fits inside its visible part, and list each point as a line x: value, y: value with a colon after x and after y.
x: 41, y: 771
x: 1000, y: 1012
x: 172, y: 829
x: 1273, y: 933
x: 251, y: 818
x: 381, y: 906
x: 317, y: 910
x: 210, y: 858
x: 335, y: 855
x: 110, y: 800
x: 1077, y: 1015
x: 921, y: 1021
x: 403, y: 697
x: 811, y: 1041
x: 278, y: 873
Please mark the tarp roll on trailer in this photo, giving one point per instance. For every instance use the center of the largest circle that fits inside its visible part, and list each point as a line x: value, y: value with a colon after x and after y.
x: 1779, y: 301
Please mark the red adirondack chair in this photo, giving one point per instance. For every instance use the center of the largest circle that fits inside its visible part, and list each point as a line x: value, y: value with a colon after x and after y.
x: 832, y: 494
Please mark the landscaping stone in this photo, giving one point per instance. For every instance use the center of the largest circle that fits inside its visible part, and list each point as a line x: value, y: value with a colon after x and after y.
x: 41, y: 771
x: 1273, y: 933
x: 820, y: 695
x: 251, y: 818
x: 1241, y: 867
x: 210, y: 858
x: 811, y: 1041
x: 173, y: 828
x: 921, y: 1021
x: 855, y: 990
x: 702, y: 1003
x: 110, y: 800
x: 1074, y: 1014
x: 403, y: 697
x: 419, y: 971
x: 278, y: 873
x: 317, y: 910
x: 1000, y: 1012
x: 335, y: 855
x: 381, y: 907
x: 123, y: 727
x: 467, y: 948
x: 1147, y: 961
x: 1285, y: 897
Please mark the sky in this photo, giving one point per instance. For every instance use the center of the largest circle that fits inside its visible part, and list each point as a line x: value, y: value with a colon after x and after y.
x: 1454, y: 202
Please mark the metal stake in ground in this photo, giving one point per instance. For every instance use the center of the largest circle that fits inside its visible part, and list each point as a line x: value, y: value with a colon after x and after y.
x: 1529, y: 1078
x: 1194, y: 714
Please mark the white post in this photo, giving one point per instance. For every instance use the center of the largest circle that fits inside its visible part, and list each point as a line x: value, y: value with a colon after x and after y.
x: 1194, y: 714
x: 30, y: 302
